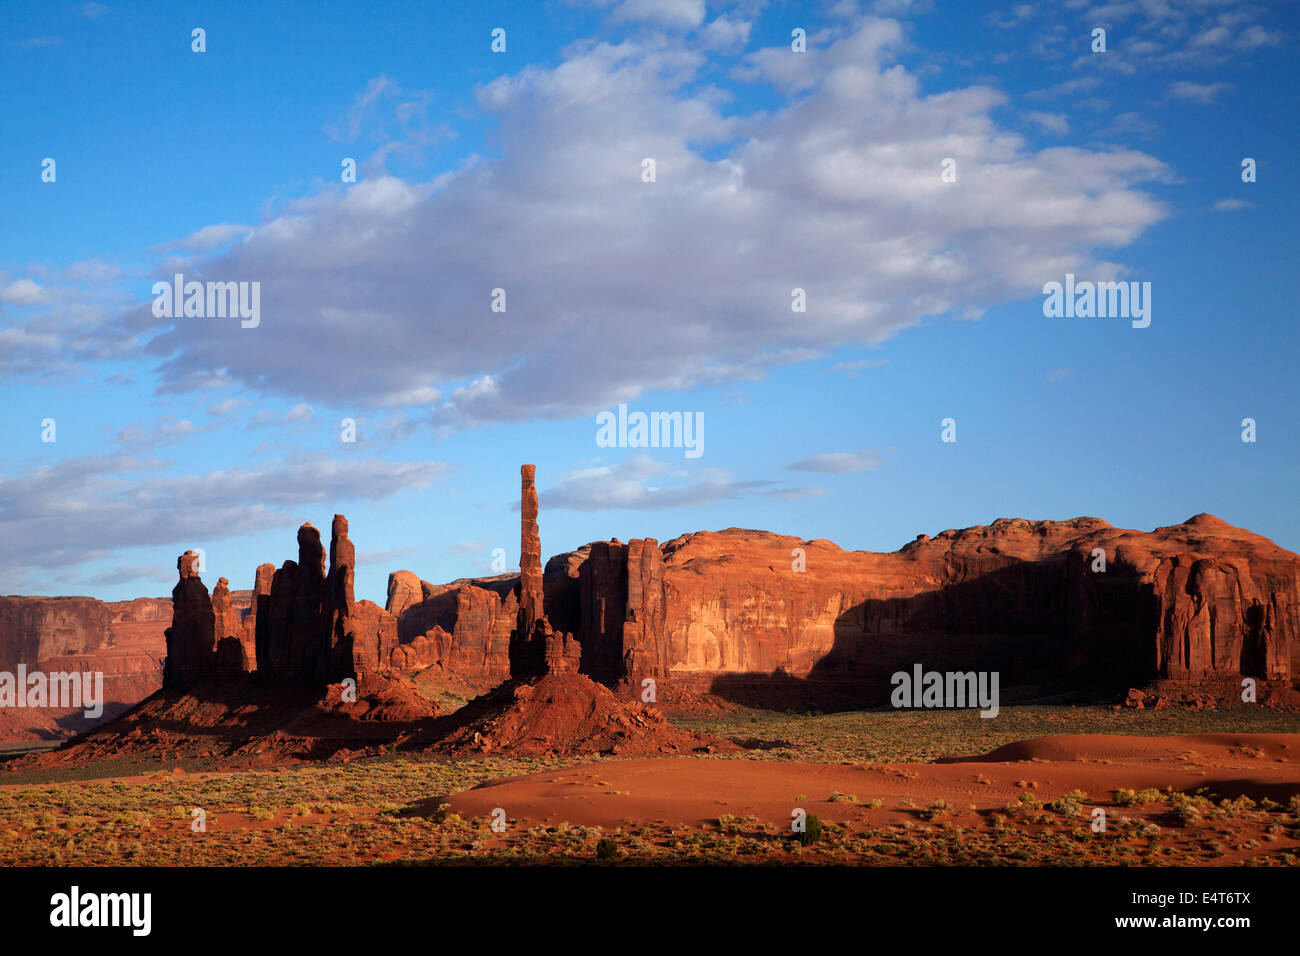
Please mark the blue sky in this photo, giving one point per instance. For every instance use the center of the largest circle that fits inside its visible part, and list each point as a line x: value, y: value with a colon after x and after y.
x: 522, y: 170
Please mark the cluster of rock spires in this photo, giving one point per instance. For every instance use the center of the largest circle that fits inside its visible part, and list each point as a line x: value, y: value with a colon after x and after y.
x: 714, y: 610
x: 303, y: 626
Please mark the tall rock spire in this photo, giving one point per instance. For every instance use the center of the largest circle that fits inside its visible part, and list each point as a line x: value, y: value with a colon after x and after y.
x: 534, y: 647
x: 191, y: 640
x: 343, y: 562
x: 530, y: 553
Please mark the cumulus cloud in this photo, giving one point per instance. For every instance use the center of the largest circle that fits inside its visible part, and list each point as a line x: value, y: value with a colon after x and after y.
x: 615, y: 286
x: 21, y: 292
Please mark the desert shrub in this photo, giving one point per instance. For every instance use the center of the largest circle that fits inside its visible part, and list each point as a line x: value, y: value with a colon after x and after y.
x: 606, y: 849
x: 939, y: 808
x: 812, y: 832
x: 1243, y: 802
x: 1069, y: 804
x: 1137, y: 798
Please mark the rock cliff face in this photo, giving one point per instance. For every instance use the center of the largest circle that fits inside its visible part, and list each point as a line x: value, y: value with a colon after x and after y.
x: 1049, y: 604
x: 33, y: 628
x: 123, y: 640
x: 1030, y: 598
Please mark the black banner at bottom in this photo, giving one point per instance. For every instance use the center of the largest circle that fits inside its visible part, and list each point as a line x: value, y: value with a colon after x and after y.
x: 343, y: 906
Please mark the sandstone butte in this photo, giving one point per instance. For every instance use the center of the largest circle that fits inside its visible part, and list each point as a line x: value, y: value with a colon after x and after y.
x: 725, y: 612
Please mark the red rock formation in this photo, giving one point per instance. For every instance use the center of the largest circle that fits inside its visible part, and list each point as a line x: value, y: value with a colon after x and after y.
x: 191, y: 640
x: 123, y: 640
x: 602, y: 586
x: 623, y: 611
x: 404, y: 591
x: 33, y: 628
x: 1201, y: 599
x: 644, y: 643
x: 371, y: 637
x: 563, y: 652
x: 296, y: 634
x: 342, y: 650
x: 343, y: 560
x: 530, y: 551
x: 309, y: 629
x: 564, y: 713
x: 528, y: 645
x: 472, y: 640
x: 228, y: 623
x: 259, y: 604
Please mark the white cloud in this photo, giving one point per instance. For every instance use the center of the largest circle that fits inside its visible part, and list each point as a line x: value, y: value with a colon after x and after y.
x: 1198, y: 92
x: 145, y: 436
x: 838, y: 463
x: 615, y: 286
x: 225, y: 407
x: 679, y: 14
x: 209, y: 237
x: 725, y: 34
x: 300, y: 413
x: 22, y: 292
x: 644, y: 484
x: 1233, y: 205
x: 83, y: 509
x: 1052, y: 122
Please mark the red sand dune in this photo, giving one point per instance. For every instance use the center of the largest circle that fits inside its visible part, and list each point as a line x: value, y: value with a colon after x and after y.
x: 694, y: 790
